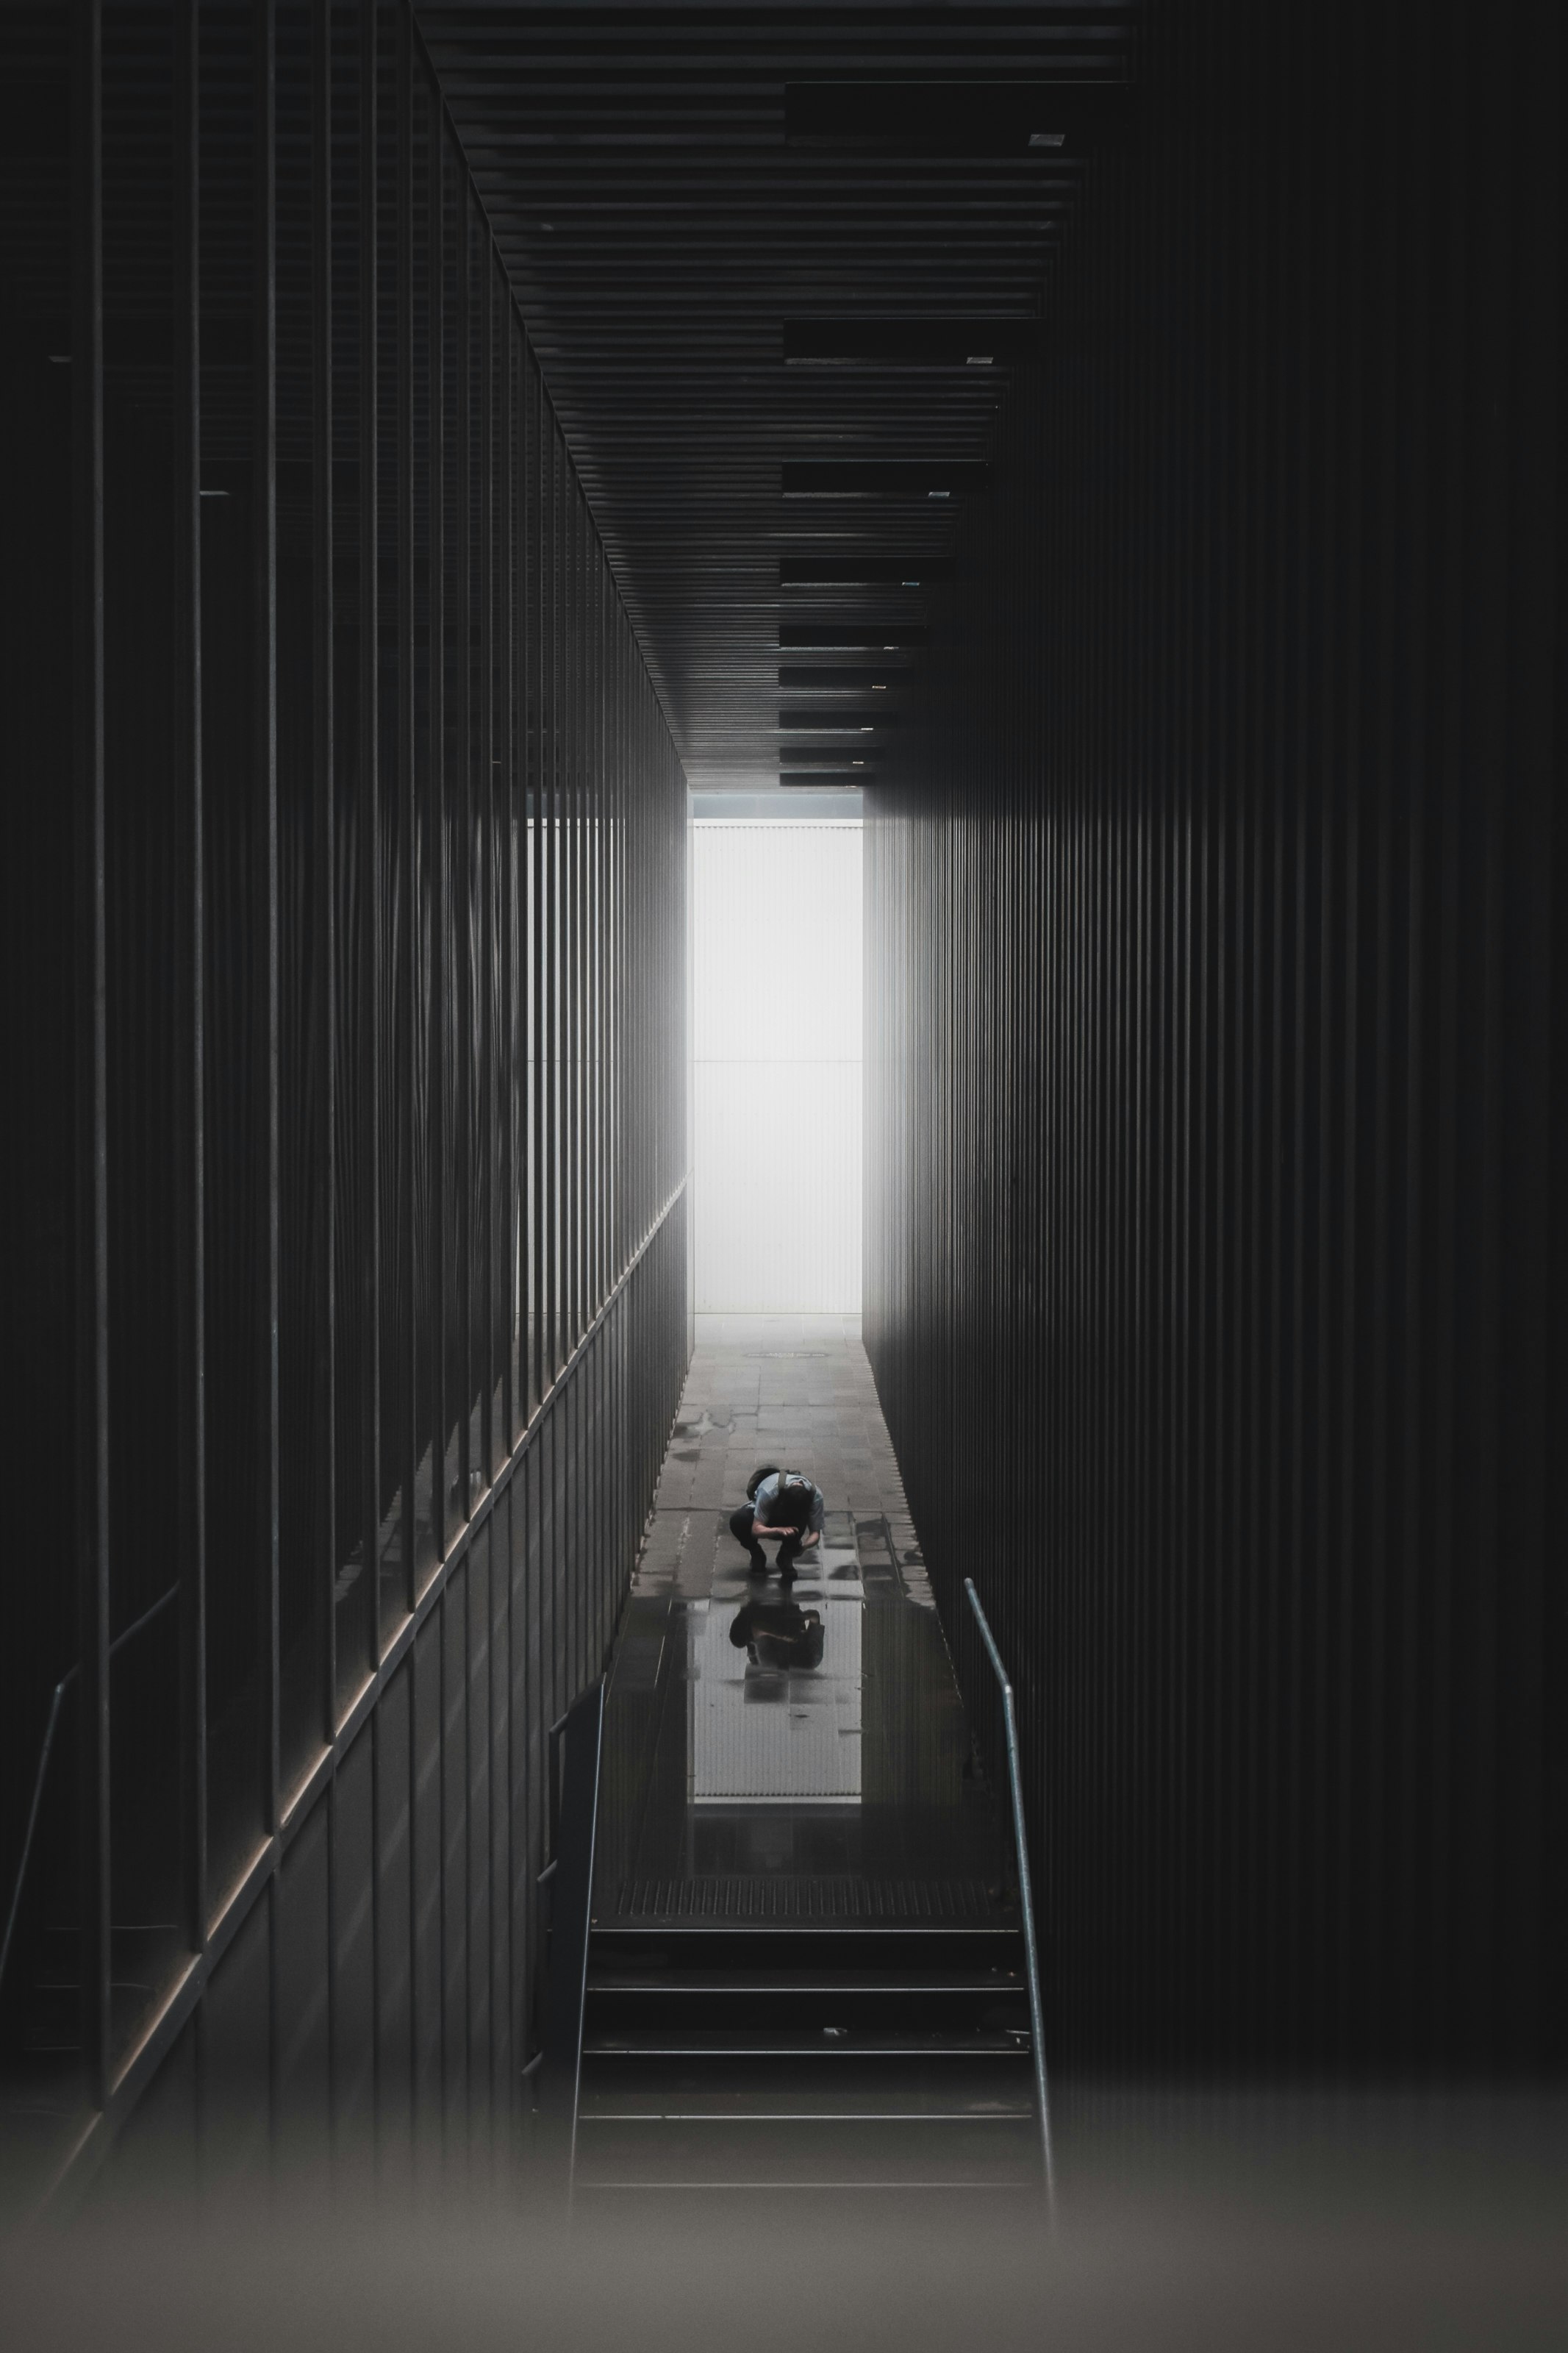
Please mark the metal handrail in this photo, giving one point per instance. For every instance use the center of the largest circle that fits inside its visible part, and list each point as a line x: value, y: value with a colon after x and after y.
x: 45, y: 1750
x: 571, y: 1921
x: 1025, y: 1897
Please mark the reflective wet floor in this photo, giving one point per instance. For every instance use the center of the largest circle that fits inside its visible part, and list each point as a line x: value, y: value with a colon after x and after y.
x: 788, y: 1748
x: 805, y: 1967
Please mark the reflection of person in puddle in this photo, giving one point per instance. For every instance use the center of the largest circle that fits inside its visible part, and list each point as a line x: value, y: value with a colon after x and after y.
x: 783, y: 1504
x: 778, y: 1634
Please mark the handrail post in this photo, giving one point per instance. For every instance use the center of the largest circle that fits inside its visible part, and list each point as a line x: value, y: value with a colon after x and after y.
x: 45, y: 1752
x: 1025, y: 1895
x: 572, y: 1899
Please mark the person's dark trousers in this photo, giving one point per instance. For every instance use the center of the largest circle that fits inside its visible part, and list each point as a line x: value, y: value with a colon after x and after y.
x: 741, y: 1524
x: 740, y: 1529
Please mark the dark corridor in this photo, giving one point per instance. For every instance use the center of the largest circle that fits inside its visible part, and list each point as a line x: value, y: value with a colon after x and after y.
x: 1116, y: 450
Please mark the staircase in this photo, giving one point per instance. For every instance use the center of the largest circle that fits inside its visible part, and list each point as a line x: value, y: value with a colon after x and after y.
x: 788, y: 1947
x: 806, y: 2058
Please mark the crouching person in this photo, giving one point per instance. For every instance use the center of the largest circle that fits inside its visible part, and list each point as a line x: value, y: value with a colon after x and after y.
x: 783, y: 1504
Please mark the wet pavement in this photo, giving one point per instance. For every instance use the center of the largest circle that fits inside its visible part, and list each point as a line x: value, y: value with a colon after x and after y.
x: 787, y: 1750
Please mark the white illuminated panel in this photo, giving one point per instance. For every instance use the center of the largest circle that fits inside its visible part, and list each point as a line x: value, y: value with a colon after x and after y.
x: 776, y: 1083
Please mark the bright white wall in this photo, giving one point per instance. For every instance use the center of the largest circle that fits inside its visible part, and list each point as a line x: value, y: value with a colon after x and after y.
x: 775, y: 1022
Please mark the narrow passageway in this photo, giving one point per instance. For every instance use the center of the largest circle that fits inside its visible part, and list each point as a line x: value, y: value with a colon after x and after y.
x: 762, y: 1388
x: 736, y: 1787
x: 805, y: 1963
x: 772, y: 664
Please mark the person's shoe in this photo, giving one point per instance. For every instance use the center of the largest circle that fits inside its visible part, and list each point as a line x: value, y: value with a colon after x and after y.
x: 756, y: 1561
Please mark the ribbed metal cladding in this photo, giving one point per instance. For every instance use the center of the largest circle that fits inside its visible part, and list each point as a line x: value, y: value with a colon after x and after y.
x: 1215, y: 1051
x: 374, y: 945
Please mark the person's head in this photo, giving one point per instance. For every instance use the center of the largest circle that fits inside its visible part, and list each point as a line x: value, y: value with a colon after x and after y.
x: 792, y: 1504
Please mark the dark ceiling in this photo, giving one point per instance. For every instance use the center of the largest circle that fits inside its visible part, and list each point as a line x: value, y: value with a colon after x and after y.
x: 778, y: 264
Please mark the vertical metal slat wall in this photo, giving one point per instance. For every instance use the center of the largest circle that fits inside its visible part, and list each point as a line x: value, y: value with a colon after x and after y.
x: 373, y: 1109
x: 1215, y: 1061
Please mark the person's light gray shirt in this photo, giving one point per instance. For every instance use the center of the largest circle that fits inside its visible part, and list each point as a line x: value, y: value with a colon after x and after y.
x: 767, y: 1495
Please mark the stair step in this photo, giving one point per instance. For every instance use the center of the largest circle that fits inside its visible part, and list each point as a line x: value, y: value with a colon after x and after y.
x: 805, y: 2082
x: 816, y: 2008
x: 774, y: 2043
x: 806, y: 2152
x: 629, y: 1977
x: 752, y: 1953
x: 798, y: 2104
x: 627, y: 2196
x: 846, y: 1901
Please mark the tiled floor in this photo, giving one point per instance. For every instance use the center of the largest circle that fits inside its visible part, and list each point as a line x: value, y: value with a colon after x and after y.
x: 792, y: 1389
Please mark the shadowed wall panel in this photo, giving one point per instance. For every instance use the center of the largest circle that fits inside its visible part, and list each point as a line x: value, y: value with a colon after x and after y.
x: 1213, y: 1032
x: 377, y: 1123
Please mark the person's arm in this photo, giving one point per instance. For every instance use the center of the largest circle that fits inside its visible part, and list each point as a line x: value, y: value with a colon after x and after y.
x: 813, y: 1524
x: 761, y: 1528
